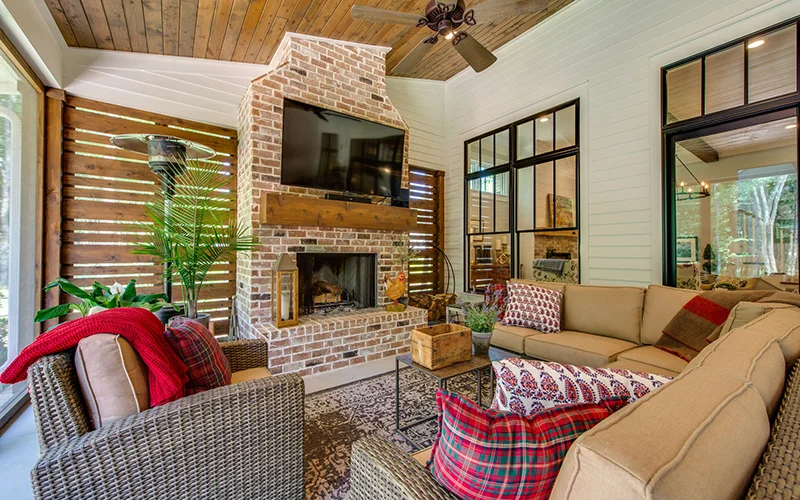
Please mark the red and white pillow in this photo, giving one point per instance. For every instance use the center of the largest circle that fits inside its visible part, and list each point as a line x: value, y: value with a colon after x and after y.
x: 484, y: 454
x: 528, y: 386
x: 533, y: 307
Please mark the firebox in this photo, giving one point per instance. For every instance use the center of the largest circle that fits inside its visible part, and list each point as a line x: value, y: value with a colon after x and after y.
x: 332, y: 282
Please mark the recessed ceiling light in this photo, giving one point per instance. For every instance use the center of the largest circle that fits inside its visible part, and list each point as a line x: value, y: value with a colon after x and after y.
x: 544, y: 119
x: 793, y: 125
x: 756, y: 43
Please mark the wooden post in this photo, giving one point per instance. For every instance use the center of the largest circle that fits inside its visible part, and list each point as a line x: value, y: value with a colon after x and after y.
x: 54, y: 124
x: 441, y: 265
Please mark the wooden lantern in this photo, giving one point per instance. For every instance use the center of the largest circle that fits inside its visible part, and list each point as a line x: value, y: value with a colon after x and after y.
x: 284, y: 291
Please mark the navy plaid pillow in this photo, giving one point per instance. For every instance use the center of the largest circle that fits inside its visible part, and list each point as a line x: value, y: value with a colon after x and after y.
x: 208, y: 368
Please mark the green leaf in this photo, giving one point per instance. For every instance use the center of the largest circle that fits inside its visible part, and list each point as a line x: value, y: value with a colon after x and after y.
x: 51, y: 313
x: 69, y: 288
x: 130, y: 291
x: 150, y: 298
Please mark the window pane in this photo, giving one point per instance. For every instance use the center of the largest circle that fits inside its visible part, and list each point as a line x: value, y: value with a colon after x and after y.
x: 487, y: 204
x: 565, y: 127
x: 725, y: 79
x: 489, y: 260
x: 742, y: 228
x: 525, y: 140
x: 566, y: 182
x: 544, y: 195
x: 544, y: 134
x: 684, y: 92
x: 501, y: 144
x: 474, y: 156
x: 501, y: 202
x: 549, y: 257
x: 525, y: 198
x: 772, y: 64
x: 473, y: 208
x: 487, y: 152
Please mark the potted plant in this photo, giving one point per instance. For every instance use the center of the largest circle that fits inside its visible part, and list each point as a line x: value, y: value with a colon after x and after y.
x: 191, y: 227
x: 100, y: 298
x: 481, y: 318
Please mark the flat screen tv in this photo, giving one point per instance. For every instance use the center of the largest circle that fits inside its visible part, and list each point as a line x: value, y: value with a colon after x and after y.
x: 328, y: 150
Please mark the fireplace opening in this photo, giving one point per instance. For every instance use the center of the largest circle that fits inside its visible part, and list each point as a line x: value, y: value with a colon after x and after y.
x: 336, y: 282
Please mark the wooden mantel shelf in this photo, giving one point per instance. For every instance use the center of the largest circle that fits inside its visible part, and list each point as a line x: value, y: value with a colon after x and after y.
x: 292, y: 210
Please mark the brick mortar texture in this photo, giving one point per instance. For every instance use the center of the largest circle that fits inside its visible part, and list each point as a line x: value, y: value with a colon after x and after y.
x: 345, y: 78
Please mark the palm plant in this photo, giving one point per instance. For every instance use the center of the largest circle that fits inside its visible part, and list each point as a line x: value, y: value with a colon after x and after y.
x: 191, y: 226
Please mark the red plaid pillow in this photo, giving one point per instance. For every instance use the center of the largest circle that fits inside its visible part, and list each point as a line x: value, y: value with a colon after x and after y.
x: 485, y: 454
x: 208, y: 368
x: 533, y: 307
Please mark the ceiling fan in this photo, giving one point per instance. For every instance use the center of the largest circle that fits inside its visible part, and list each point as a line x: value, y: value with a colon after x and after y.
x: 445, y: 19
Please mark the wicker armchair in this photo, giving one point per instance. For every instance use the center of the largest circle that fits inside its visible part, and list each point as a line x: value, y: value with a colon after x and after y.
x: 239, y: 441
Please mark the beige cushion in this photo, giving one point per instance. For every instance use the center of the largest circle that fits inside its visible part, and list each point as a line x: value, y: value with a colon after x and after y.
x: 512, y: 337
x: 251, y: 374
x: 604, y: 310
x: 112, y: 377
x: 754, y: 356
x: 550, y: 286
x: 784, y: 326
x: 745, y: 312
x: 627, y: 364
x: 422, y: 456
x: 576, y: 348
x: 661, y: 304
x: 698, y: 437
x: 656, y: 358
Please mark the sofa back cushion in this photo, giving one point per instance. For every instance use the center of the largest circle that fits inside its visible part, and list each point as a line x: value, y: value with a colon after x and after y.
x: 661, y: 304
x: 698, y: 437
x: 784, y: 326
x: 112, y: 377
x: 611, y: 311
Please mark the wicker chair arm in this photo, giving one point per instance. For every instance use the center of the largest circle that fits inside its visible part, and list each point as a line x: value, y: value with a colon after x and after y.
x: 239, y: 441
x: 381, y: 470
x: 246, y: 354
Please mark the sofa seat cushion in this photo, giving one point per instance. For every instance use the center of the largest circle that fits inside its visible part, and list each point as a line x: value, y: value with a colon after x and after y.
x: 576, y: 348
x: 611, y: 311
x: 698, y: 437
x: 627, y: 364
x: 512, y: 338
x: 251, y: 374
x: 422, y: 456
x: 661, y: 304
x: 654, y: 357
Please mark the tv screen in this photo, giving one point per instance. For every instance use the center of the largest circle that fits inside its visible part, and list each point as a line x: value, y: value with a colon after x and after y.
x: 324, y: 149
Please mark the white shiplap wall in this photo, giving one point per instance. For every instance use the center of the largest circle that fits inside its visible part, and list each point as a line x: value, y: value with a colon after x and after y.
x: 421, y: 104
x: 609, y: 54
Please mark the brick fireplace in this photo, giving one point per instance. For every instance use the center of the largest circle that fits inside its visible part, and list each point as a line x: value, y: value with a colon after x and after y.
x: 343, y: 77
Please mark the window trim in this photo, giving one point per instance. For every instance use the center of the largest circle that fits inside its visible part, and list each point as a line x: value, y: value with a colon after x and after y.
x: 512, y: 167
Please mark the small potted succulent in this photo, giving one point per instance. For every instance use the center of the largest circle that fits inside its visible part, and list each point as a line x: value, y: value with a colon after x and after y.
x: 481, y: 318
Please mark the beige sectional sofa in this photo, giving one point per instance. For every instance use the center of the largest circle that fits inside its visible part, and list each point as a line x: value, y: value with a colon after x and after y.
x: 700, y: 436
x: 604, y: 326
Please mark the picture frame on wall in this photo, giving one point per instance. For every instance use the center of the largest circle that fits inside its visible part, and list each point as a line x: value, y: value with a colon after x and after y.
x: 686, y: 249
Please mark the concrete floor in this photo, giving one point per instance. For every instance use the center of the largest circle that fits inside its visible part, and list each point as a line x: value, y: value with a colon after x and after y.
x: 19, y: 449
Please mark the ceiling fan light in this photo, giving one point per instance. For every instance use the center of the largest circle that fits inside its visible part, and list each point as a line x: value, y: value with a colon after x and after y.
x: 450, y: 35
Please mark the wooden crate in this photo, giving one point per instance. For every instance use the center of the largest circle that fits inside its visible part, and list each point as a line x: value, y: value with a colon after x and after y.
x: 439, y: 346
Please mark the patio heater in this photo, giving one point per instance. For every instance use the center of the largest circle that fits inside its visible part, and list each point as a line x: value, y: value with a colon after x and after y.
x: 167, y: 157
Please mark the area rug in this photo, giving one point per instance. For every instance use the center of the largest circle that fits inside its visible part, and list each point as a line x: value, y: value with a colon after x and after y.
x: 338, y: 417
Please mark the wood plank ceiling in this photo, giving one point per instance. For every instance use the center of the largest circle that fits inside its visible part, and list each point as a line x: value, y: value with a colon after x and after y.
x: 250, y: 30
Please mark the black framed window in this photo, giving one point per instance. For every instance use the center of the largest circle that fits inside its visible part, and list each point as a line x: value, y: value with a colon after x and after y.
x: 730, y: 190
x: 521, y: 200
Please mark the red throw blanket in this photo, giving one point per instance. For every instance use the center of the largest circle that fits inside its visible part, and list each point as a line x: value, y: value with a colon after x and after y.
x: 140, y: 327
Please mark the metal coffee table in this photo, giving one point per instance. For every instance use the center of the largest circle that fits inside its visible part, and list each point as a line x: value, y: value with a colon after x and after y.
x: 478, y: 364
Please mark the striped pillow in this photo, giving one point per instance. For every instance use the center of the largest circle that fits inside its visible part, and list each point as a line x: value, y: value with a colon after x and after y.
x: 485, y: 454
x: 208, y: 368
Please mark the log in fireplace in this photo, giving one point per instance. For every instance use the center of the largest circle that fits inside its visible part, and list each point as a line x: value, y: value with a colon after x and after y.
x: 335, y: 282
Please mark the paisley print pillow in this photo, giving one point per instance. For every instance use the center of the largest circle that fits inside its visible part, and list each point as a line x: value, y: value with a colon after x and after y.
x: 534, y: 307
x: 528, y: 386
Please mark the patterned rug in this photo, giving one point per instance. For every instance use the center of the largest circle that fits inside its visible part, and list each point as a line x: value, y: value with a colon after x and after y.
x: 338, y: 417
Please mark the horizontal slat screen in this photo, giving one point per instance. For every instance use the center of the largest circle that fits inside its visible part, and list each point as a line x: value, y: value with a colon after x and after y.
x: 425, y: 273
x: 104, y: 191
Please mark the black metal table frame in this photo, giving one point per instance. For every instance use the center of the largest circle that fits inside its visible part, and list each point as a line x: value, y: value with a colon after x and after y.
x: 441, y: 384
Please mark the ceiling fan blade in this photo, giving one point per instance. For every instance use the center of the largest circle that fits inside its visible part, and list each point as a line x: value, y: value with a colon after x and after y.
x: 374, y: 15
x: 498, y: 10
x: 407, y: 64
x: 476, y: 55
